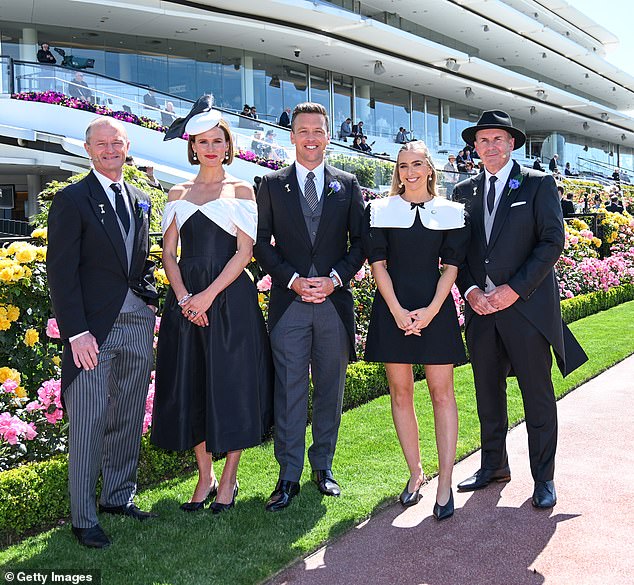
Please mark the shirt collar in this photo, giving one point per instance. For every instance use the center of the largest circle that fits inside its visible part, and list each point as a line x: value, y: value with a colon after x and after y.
x: 105, y: 182
x: 502, y: 174
x: 302, y: 172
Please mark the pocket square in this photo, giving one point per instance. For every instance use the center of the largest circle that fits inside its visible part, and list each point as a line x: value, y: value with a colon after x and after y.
x: 518, y: 203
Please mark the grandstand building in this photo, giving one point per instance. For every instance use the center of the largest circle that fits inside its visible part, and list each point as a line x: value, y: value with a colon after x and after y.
x: 430, y: 66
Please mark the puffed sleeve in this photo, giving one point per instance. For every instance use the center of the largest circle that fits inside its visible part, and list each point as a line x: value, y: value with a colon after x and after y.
x: 374, y: 240
x: 454, y: 246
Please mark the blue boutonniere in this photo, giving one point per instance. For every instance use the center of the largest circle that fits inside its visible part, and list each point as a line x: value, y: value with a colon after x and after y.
x: 515, y: 182
x: 143, y: 207
x: 334, y: 186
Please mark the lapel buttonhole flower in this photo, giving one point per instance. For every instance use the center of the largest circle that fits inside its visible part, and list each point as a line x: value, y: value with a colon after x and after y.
x: 143, y: 206
x: 334, y: 186
x: 516, y: 182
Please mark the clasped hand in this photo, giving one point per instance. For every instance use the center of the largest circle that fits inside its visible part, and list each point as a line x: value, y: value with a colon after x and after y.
x: 195, y: 309
x: 313, y: 289
x: 412, y: 322
x: 500, y: 298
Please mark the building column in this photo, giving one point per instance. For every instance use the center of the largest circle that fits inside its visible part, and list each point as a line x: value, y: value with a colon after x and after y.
x: 28, y: 45
x: 248, y: 91
x: 34, y: 186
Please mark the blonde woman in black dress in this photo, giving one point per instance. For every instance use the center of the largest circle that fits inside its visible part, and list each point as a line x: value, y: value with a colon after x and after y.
x: 413, y: 318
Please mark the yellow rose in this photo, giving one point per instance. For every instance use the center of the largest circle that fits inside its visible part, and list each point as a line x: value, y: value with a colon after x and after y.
x: 155, y: 249
x: 26, y: 255
x: 3, y: 252
x: 39, y: 233
x: 15, y: 247
x: 13, y: 313
x: 41, y: 254
x: 20, y: 392
x: 161, y: 277
x: 26, y: 272
x: 31, y: 337
x: 6, y: 274
x: 9, y: 374
x: 56, y: 360
x: 5, y: 324
x: 6, y: 262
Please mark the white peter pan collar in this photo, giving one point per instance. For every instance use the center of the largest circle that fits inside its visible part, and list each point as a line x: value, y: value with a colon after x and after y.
x: 395, y: 212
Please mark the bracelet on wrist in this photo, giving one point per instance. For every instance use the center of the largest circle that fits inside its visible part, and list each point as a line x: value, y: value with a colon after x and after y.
x: 185, y: 299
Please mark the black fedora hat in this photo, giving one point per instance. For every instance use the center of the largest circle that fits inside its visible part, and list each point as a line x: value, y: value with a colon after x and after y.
x: 494, y: 119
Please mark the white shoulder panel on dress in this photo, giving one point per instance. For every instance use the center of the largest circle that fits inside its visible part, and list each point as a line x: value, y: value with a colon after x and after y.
x: 229, y: 214
x: 391, y: 212
x: 442, y: 214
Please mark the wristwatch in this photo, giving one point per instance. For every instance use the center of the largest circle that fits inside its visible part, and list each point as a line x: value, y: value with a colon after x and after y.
x: 335, y: 280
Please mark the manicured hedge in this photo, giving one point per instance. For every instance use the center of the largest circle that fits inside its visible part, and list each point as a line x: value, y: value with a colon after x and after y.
x: 35, y: 494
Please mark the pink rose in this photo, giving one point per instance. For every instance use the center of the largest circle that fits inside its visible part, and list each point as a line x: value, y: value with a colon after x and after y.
x: 52, y: 330
x: 9, y: 385
x: 264, y: 284
x: 359, y: 276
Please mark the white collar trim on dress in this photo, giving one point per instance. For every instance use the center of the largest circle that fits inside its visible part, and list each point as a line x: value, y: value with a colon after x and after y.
x: 395, y: 212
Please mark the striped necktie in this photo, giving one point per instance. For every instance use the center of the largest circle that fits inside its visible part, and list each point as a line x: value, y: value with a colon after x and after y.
x: 310, y: 191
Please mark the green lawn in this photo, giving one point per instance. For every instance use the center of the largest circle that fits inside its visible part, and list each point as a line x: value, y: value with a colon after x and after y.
x: 248, y: 544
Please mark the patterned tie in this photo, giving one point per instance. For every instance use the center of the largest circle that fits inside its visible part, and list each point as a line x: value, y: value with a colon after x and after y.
x: 119, y: 204
x: 491, y: 193
x: 310, y: 191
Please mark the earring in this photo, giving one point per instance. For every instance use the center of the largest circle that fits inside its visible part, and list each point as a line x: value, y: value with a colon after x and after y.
x: 194, y: 155
x: 401, y: 185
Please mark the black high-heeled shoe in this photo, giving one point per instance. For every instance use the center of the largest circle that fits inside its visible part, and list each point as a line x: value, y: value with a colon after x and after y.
x: 408, y: 498
x: 197, y: 506
x: 446, y: 511
x: 217, y: 507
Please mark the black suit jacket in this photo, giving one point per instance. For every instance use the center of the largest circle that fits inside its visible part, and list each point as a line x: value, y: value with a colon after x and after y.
x: 86, y: 262
x: 337, y: 244
x: 567, y: 207
x: 526, y: 240
x: 284, y: 120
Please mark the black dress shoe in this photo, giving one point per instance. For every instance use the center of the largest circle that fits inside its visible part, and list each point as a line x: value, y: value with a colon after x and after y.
x: 217, y: 507
x: 281, y: 497
x: 93, y: 537
x: 446, y: 511
x: 326, y: 482
x: 544, y: 495
x: 129, y: 509
x: 408, y: 498
x: 483, y: 477
x: 197, y: 506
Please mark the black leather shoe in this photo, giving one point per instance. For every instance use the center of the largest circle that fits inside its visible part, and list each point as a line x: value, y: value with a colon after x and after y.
x: 544, y: 495
x: 483, y: 477
x: 281, y: 497
x: 326, y: 482
x: 129, y: 509
x: 217, y: 507
x: 197, y: 506
x: 93, y: 537
x: 408, y: 498
x: 446, y: 511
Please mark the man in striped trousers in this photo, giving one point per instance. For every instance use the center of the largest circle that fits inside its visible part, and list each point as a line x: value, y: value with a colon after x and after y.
x: 102, y: 288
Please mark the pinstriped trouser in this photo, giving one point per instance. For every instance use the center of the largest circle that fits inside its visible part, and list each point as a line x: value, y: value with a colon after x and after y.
x: 105, y: 409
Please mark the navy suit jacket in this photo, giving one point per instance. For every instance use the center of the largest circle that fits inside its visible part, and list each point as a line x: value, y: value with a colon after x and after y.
x: 526, y: 240
x: 86, y: 262
x: 337, y: 245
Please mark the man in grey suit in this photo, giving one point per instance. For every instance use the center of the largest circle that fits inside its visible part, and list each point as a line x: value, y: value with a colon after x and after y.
x: 102, y: 288
x: 315, y: 214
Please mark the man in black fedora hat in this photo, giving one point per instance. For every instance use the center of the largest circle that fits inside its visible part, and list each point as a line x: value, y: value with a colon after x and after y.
x: 513, y: 315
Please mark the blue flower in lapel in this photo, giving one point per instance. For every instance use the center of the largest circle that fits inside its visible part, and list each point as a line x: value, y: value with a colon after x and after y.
x: 334, y: 186
x: 143, y: 207
x: 515, y: 182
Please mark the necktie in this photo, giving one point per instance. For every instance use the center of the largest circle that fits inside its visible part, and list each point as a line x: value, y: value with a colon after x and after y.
x: 491, y: 193
x: 310, y: 191
x: 119, y: 204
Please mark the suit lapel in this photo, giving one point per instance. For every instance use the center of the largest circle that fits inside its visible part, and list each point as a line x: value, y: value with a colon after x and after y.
x: 291, y: 194
x: 507, y: 198
x: 106, y: 215
x: 141, y: 227
x: 477, y: 208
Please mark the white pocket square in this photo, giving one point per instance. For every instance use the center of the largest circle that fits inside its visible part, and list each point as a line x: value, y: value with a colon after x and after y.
x: 518, y: 203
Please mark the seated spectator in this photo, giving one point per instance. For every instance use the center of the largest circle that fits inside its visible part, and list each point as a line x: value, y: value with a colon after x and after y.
x: 615, y: 205
x: 257, y: 144
x: 460, y: 161
x: 245, y: 117
x: 364, y: 146
x: 253, y: 112
x: 537, y: 165
x: 78, y: 88
x: 552, y: 165
x: 149, y: 99
x: 616, y: 175
x: 624, y: 176
x: 567, y: 206
x: 45, y: 56
x: 356, y: 143
x: 402, y: 136
x: 357, y: 129
x: 470, y: 168
x: 285, y: 118
x: 168, y: 115
x: 596, y: 201
x: 272, y: 149
x: 346, y: 129
x: 568, y: 171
